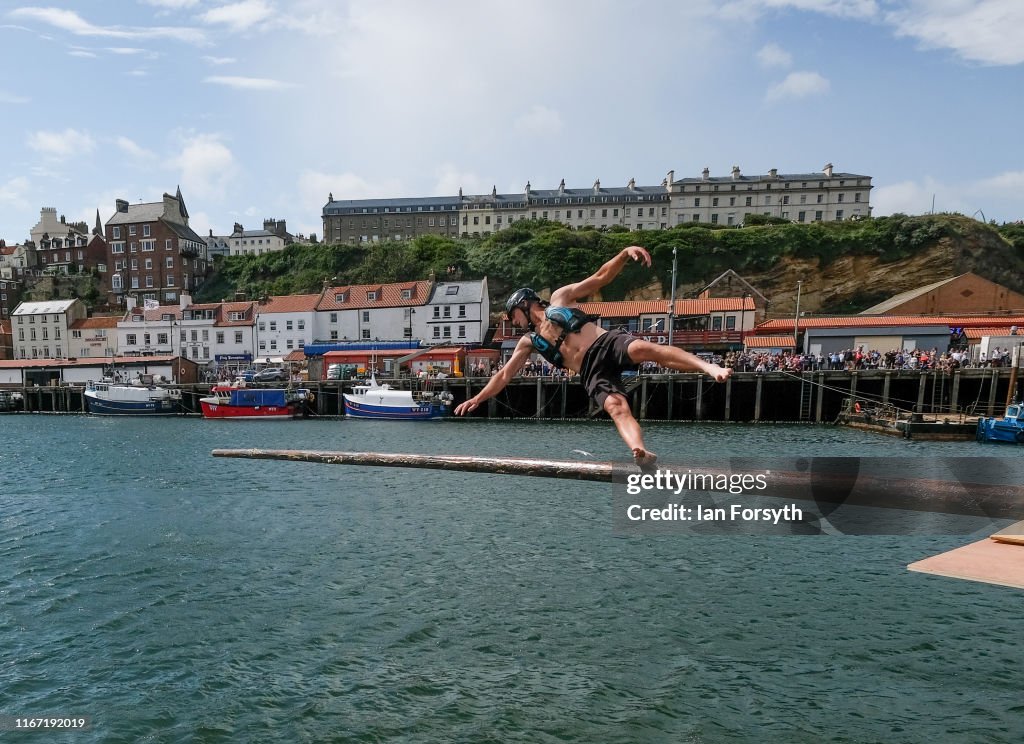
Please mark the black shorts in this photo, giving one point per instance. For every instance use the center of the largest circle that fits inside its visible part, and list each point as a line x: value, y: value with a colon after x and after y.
x: 603, y: 364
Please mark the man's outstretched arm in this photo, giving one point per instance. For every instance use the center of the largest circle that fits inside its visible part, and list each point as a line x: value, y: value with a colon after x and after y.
x: 571, y: 293
x: 500, y: 379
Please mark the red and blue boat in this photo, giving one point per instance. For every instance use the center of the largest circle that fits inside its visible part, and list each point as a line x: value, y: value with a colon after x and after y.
x: 236, y: 401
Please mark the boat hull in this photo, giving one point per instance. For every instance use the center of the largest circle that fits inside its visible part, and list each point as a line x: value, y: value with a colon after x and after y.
x: 364, y: 410
x: 227, y: 411
x: 103, y: 407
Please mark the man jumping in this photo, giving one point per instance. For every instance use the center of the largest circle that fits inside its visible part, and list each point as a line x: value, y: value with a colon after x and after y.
x: 567, y: 337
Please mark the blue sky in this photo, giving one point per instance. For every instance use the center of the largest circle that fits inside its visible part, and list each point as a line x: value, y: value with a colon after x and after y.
x: 259, y: 108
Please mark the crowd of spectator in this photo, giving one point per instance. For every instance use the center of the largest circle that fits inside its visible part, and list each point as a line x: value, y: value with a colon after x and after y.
x: 852, y: 359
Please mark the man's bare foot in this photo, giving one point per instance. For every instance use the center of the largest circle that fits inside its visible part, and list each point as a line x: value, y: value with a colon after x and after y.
x: 645, y: 460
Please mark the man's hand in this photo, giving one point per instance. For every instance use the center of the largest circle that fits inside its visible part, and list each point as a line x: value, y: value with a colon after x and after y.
x: 720, y: 374
x: 463, y: 408
x: 637, y: 253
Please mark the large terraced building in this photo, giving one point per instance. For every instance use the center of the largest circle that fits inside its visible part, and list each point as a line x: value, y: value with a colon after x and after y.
x: 823, y: 196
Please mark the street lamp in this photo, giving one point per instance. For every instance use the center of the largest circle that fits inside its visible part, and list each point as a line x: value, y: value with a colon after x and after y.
x: 411, y: 313
x: 796, y: 322
x: 672, y: 300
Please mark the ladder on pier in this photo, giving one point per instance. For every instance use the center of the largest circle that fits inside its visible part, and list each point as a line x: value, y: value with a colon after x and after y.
x: 806, y: 396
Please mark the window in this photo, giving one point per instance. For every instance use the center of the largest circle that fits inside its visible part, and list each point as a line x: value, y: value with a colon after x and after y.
x: 447, y: 331
x: 130, y: 339
x: 406, y: 294
x: 366, y: 316
x: 366, y: 334
x: 462, y: 331
x: 462, y: 311
x: 117, y: 247
x: 437, y: 331
x: 149, y: 263
x: 716, y: 323
x: 302, y: 325
x: 169, y: 244
x: 170, y: 280
x: 371, y: 296
x: 220, y: 337
x: 148, y: 246
x: 334, y: 317
x: 730, y: 323
x: 238, y: 337
x: 273, y: 325
x: 115, y: 232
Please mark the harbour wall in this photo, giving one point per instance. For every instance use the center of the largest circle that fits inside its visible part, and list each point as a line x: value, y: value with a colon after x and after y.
x: 815, y: 397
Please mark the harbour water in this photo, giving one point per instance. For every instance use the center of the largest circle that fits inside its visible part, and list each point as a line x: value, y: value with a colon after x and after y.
x: 171, y: 596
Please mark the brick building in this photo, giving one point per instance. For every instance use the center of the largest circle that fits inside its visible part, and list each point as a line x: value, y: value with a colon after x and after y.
x: 153, y: 254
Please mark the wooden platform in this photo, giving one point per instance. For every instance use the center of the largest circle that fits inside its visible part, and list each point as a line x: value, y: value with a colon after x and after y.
x: 995, y: 560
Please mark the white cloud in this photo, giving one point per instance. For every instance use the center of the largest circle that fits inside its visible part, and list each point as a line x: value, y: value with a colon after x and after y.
x: 71, y: 22
x: 206, y: 165
x: 798, y: 85
x: 314, y: 186
x: 247, y: 83
x: 992, y: 197
x: 220, y: 60
x: 539, y: 121
x: 81, y: 53
x: 239, y: 16
x: 60, y: 145
x: 449, y: 179
x: 11, y: 98
x: 132, y: 148
x: 126, y: 50
x: 990, y: 32
x: 13, y: 191
x: 772, y: 55
x: 752, y: 9
x: 171, y: 4
x: 137, y: 73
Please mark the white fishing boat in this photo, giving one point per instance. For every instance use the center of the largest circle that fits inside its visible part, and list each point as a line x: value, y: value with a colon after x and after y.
x: 138, y: 397
x: 375, y: 401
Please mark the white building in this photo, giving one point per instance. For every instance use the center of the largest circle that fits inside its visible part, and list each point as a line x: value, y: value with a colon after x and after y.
x: 58, y: 244
x: 283, y: 324
x: 93, y: 337
x: 457, y: 313
x: 41, y: 329
x: 372, y: 312
x: 798, y: 197
x: 273, y: 237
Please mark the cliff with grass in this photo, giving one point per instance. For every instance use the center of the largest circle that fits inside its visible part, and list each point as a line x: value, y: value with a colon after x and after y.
x: 843, y: 266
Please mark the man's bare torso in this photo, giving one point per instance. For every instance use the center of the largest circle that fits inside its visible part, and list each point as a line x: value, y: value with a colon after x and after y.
x: 575, y: 345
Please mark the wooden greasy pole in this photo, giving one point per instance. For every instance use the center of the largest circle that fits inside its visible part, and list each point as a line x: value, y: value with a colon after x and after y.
x: 832, y: 483
x: 589, y: 471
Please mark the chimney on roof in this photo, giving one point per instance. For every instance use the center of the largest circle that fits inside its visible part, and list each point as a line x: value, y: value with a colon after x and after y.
x: 237, y: 228
x: 561, y: 186
x: 670, y: 177
x: 597, y: 185
x: 735, y: 173
x: 239, y: 296
x: 773, y: 173
x: 494, y: 192
x: 827, y: 170
x: 631, y: 185
x: 460, y: 192
x: 527, y: 189
x: 705, y: 174
x: 121, y: 205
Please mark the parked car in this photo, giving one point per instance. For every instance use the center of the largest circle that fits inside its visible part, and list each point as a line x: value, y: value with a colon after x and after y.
x: 247, y: 375
x: 270, y: 374
x: 342, y: 371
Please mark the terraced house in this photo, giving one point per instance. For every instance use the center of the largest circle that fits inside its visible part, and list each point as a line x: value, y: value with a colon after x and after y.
x: 725, y: 200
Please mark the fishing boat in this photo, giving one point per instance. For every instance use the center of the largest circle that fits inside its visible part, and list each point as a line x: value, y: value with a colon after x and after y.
x: 372, y: 400
x: 237, y: 401
x: 1009, y: 428
x: 138, y: 397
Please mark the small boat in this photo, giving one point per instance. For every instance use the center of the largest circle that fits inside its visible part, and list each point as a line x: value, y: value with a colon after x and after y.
x: 141, y: 397
x: 1009, y: 428
x: 375, y: 401
x: 10, y: 401
x: 236, y: 401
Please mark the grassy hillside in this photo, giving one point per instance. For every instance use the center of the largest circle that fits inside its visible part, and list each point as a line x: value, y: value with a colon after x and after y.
x: 545, y: 254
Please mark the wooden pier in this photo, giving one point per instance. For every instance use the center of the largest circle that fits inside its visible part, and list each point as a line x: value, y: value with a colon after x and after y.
x: 812, y: 397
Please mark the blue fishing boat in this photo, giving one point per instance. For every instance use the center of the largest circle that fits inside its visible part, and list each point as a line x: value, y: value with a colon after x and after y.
x: 141, y: 398
x: 374, y: 401
x: 1009, y: 428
